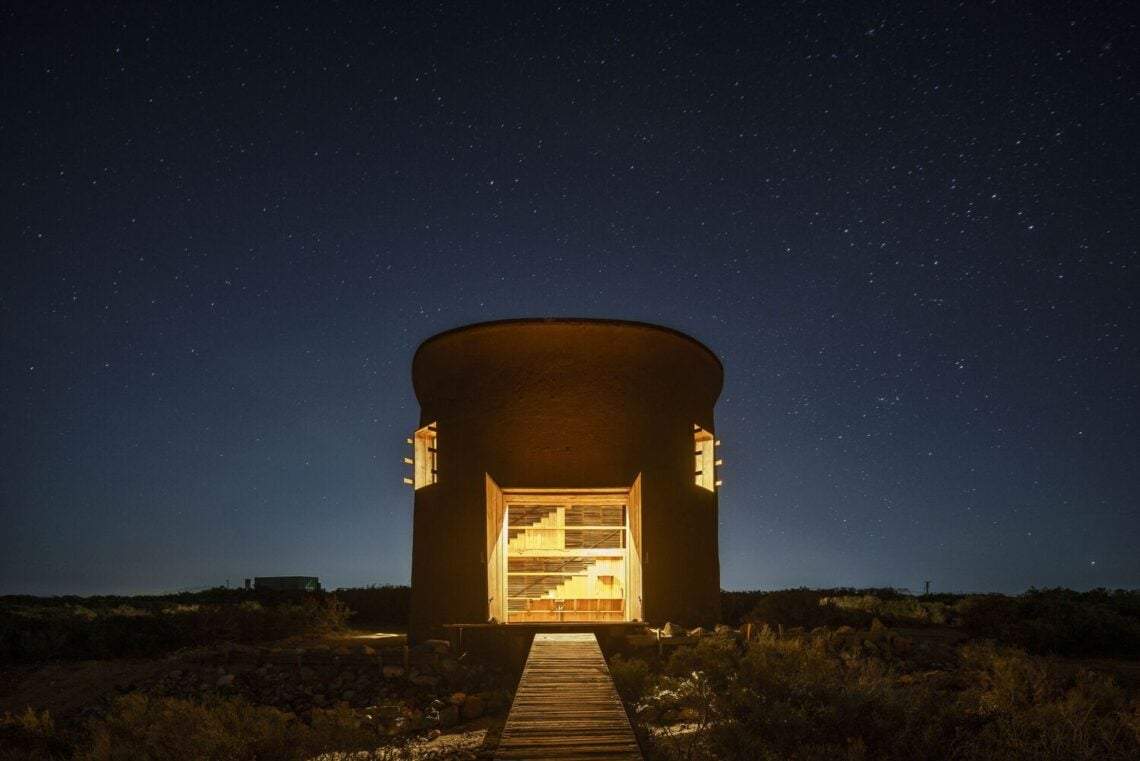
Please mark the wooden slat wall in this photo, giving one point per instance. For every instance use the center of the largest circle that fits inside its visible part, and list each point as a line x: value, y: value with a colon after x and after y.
x: 587, y: 530
x: 566, y: 706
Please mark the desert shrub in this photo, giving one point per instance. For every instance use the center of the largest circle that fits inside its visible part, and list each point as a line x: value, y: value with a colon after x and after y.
x: 901, y: 610
x: 1056, y: 622
x: 340, y: 729
x: 48, y: 632
x: 1050, y: 621
x: 252, y: 622
x: 802, y: 699
x: 386, y: 605
x: 1036, y: 711
x: 803, y: 608
x: 716, y: 657
x: 631, y: 677
x: 31, y: 735
x: 735, y: 607
x: 140, y: 728
x: 826, y: 696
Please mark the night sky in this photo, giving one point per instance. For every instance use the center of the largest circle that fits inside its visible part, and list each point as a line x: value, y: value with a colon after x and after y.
x: 909, y: 230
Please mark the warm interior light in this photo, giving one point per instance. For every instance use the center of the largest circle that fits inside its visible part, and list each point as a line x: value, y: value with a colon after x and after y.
x: 704, y: 457
x: 426, y: 456
x: 567, y: 559
x: 377, y: 635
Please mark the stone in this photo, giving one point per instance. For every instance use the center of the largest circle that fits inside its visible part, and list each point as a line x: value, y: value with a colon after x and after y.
x: 472, y: 707
x: 389, y: 710
x: 725, y: 631
x: 449, y: 716
x: 440, y: 646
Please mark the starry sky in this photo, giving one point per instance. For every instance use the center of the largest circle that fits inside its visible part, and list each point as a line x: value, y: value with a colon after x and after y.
x: 909, y: 230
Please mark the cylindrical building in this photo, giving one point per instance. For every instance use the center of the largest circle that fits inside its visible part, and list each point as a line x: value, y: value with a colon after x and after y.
x: 564, y: 472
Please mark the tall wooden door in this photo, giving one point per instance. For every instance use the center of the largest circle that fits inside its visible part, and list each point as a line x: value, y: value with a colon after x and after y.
x: 496, y: 587
x: 636, y: 554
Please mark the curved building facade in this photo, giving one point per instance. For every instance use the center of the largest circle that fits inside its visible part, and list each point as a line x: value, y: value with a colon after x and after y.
x: 564, y: 472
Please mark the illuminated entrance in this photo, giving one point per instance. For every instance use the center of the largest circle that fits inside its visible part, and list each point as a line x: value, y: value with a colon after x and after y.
x: 564, y: 555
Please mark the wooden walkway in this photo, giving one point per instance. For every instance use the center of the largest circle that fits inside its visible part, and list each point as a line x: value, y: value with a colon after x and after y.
x: 566, y: 706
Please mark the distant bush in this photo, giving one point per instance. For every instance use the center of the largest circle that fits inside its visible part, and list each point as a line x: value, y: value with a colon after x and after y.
x: 389, y: 605
x: 790, y: 607
x: 1050, y: 621
x: 1058, y: 622
x: 55, y: 631
x: 40, y: 628
x: 899, y: 610
x: 802, y: 608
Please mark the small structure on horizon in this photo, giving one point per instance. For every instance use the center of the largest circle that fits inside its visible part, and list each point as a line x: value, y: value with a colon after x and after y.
x: 286, y: 583
x: 565, y: 472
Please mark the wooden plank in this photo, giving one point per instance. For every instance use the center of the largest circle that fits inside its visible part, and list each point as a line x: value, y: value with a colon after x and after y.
x: 586, y: 552
x: 552, y: 498
x: 566, y: 706
x: 618, y: 490
x: 496, y: 561
x: 633, y: 586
